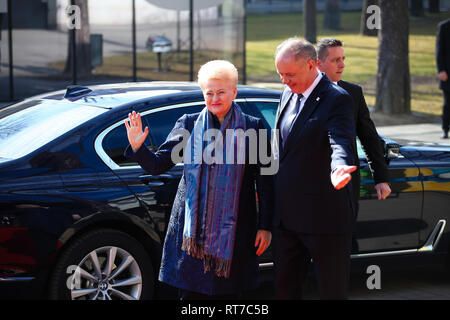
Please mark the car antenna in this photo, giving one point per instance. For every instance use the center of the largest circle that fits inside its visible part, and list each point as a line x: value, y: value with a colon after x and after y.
x: 75, y: 91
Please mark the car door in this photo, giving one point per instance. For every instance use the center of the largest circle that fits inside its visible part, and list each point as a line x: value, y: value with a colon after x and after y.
x: 163, y: 187
x: 390, y: 225
x: 155, y: 192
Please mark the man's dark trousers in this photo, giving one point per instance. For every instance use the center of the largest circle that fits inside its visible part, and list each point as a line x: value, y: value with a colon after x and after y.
x: 331, y: 262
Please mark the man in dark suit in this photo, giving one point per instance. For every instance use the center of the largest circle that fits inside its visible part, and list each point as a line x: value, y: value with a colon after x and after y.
x: 443, y: 66
x: 315, y: 147
x: 331, y: 61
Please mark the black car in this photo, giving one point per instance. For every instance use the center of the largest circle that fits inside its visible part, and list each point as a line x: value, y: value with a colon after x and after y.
x: 78, y: 220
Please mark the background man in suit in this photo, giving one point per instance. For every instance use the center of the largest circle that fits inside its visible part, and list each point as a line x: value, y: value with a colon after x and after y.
x: 331, y: 61
x: 443, y: 66
x: 315, y: 149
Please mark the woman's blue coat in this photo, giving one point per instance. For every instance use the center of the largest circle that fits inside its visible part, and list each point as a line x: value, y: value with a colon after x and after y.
x: 185, y: 272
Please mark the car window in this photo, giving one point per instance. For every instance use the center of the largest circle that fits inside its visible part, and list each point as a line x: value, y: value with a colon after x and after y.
x: 115, y: 143
x: 29, y: 125
x: 265, y: 110
x: 361, y: 153
x: 160, y: 123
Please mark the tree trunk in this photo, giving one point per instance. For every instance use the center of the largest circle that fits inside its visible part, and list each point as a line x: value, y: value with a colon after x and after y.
x: 364, y: 30
x: 82, y: 43
x: 332, y: 15
x: 434, y: 6
x: 393, y: 93
x: 309, y: 18
x: 417, y: 9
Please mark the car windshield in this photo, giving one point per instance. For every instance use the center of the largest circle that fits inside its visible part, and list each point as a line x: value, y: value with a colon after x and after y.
x: 27, y: 126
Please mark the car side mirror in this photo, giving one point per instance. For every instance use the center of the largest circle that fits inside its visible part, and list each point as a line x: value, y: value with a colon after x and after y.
x: 391, y: 149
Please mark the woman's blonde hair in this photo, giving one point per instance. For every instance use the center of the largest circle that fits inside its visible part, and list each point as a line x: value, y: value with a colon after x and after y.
x: 218, y: 70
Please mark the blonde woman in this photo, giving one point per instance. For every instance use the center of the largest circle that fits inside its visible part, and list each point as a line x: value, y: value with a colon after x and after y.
x: 214, y: 234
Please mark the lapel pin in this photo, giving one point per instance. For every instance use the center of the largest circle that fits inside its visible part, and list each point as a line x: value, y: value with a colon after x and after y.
x: 318, y: 98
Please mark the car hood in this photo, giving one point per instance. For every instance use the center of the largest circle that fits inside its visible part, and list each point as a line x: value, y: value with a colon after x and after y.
x: 419, y: 150
x: 421, y: 144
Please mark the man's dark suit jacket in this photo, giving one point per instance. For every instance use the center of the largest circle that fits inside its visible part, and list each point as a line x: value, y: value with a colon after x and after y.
x: 322, y: 137
x: 443, y: 51
x: 367, y: 134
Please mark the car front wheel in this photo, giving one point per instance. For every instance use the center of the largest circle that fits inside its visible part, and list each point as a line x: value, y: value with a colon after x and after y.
x: 104, y: 264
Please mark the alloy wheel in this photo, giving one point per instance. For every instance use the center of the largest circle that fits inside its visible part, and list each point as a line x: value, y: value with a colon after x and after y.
x: 106, y: 273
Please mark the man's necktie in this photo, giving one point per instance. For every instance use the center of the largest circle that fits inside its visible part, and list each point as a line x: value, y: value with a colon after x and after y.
x: 290, y: 117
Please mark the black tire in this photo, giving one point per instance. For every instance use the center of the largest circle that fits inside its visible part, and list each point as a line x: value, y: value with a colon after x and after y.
x: 102, y: 245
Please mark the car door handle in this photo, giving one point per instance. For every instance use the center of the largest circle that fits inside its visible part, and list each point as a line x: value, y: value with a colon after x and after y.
x: 156, y: 181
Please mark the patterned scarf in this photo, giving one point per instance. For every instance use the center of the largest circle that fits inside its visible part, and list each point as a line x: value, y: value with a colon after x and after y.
x: 212, y: 190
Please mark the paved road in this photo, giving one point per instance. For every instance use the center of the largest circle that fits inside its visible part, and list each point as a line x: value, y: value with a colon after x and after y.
x: 419, y: 283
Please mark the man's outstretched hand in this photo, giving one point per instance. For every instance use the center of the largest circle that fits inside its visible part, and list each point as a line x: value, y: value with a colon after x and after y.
x: 341, y: 176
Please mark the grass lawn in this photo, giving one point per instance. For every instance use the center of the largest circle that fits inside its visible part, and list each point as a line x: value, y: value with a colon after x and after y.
x: 265, y: 32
